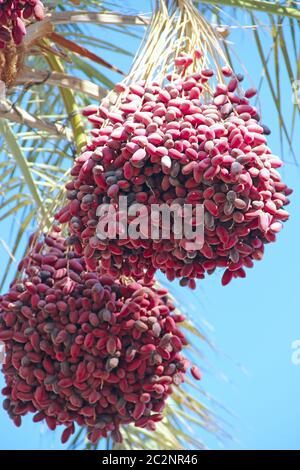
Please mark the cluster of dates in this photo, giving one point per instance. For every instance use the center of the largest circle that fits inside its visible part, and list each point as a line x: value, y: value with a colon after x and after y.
x: 84, y: 348
x: 13, y: 15
x: 166, y: 145
x: 89, y: 338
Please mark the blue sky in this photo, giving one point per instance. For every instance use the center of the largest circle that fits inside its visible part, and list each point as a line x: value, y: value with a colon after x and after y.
x: 253, y: 322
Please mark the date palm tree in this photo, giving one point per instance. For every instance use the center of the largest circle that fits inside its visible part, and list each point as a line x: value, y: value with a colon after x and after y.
x: 42, y: 131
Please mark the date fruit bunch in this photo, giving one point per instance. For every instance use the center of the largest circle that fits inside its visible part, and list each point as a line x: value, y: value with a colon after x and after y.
x: 179, y: 143
x: 84, y: 348
x: 13, y: 17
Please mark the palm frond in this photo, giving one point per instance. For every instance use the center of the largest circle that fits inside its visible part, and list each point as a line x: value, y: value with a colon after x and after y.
x: 273, y: 8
